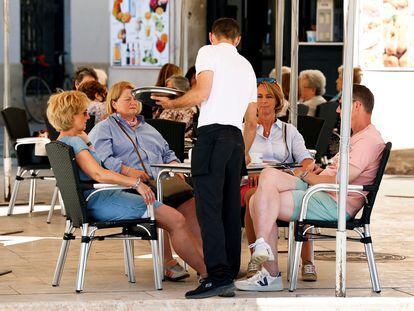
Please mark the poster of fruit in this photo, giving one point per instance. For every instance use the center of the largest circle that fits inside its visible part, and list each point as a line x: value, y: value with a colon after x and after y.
x: 386, y: 34
x: 139, y: 32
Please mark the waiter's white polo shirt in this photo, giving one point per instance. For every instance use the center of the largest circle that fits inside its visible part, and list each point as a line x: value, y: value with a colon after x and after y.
x: 234, y: 85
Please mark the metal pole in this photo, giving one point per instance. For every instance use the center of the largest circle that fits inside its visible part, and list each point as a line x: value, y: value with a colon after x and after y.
x: 343, y: 172
x: 7, y: 163
x: 279, y: 24
x: 294, y: 55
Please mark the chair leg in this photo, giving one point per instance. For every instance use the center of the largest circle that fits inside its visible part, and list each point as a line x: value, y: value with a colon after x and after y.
x: 82, y: 258
x: 52, y: 205
x: 130, y: 261
x: 125, y: 260
x: 295, y: 269
x: 291, y: 246
x: 161, y: 251
x: 156, y: 264
x: 63, y: 254
x: 32, y: 192
x: 369, y: 251
x: 16, y: 187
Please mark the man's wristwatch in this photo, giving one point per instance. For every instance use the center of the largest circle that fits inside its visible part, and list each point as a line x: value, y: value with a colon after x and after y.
x: 88, y: 144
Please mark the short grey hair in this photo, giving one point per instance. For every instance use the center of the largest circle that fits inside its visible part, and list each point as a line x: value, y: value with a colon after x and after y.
x: 316, y: 80
x: 179, y: 82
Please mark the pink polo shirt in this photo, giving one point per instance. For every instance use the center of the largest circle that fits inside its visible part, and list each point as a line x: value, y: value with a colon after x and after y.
x: 365, y: 151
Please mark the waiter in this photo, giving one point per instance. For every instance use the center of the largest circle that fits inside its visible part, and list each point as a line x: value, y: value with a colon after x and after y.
x: 226, y: 92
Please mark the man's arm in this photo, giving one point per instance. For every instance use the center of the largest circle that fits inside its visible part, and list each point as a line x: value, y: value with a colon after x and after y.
x: 250, y: 127
x: 313, y: 179
x: 193, y: 97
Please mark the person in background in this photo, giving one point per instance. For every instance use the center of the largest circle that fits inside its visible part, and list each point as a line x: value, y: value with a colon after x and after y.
x: 128, y: 145
x: 96, y: 92
x: 67, y: 112
x: 191, y: 76
x: 311, y: 88
x: 180, y: 115
x: 356, y: 80
x: 166, y: 72
x: 279, y: 195
x: 83, y: 74
x: 278, y: 142
x: 102, y: 76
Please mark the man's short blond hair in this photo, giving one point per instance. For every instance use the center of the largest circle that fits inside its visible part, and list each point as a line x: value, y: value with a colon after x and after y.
x: 115, y: 93
x: 61, y: 107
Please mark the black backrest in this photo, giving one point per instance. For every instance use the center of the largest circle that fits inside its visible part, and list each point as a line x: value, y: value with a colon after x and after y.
x: 373, y: 189
x: 90, y: 123
x: 65, y: 169
x: 51, y: 131
x: 16, y: 124
x: 302, y: 109
x: 310, y: 128
x: 173, y: 132
x: 326, y: 112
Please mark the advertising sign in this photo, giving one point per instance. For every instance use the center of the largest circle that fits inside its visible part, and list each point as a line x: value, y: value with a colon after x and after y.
x: 387, y: 34
x: 139, y: 32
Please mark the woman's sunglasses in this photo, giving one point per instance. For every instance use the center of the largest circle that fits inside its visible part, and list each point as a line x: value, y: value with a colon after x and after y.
x: 269, y: 80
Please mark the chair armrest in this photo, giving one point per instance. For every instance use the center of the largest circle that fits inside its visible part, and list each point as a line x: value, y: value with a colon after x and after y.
x: 31, y: 141
x: 325, y: 187
x: 103, y: 187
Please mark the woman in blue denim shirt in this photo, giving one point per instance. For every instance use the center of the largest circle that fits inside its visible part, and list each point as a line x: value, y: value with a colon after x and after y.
x: 112, y: 140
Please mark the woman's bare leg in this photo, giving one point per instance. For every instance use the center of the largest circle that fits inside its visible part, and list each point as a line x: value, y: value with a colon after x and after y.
x: 182, y: 241
x: 189, y: 211
x: 248, y: 223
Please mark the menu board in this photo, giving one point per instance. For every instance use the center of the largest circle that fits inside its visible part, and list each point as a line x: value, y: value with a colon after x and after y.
x: 386, y: 34
x: 139, y: 33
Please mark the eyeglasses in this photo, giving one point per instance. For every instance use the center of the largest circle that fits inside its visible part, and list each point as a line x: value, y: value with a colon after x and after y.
x: 270, y: 80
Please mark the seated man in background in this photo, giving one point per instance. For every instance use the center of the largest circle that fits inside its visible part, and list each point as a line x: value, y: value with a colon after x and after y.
x: 311, y: 88
x: 279, y: 195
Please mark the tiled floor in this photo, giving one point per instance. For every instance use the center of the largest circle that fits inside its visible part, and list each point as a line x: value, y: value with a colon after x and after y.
x: 32, y: 256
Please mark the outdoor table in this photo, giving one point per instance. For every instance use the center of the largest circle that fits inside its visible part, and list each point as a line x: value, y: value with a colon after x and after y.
x: 185, y: 168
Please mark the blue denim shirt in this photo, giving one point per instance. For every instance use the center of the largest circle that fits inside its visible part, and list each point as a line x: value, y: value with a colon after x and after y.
x: 114, y: 148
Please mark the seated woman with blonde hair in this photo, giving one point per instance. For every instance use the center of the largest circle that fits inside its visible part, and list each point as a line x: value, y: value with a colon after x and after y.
x: 67, y: 112
x: 275, y: 141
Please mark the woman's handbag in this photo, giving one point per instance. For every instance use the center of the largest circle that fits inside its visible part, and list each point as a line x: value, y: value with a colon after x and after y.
x: 174, y: 189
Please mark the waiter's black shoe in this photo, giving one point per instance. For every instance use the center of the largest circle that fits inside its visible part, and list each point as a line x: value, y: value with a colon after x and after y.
x: 210, y: 288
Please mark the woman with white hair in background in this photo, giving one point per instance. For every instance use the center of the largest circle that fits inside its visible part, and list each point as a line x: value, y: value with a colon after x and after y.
x: 311, y: 88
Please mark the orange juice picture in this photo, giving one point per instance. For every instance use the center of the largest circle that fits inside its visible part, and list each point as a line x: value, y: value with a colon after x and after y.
x: 117, y: 54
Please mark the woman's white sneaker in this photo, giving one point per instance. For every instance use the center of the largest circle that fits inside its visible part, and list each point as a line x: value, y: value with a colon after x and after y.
x: 262, y: 281
x: 262, y: 252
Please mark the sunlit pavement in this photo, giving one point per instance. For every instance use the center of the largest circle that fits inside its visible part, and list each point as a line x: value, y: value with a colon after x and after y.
x: 32, y: 254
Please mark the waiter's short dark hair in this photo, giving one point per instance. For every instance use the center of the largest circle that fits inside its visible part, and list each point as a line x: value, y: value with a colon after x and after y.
x: 226, y: 27
x: 364, y: 95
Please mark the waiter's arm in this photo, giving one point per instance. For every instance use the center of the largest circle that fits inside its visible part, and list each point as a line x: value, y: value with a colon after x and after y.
x: 199, y: 93
x: 250, y: 127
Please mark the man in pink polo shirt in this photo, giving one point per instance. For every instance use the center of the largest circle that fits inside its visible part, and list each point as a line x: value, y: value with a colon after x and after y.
x: 279, y: 195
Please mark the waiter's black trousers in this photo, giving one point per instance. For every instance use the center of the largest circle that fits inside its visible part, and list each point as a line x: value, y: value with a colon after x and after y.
x: 216, y: 166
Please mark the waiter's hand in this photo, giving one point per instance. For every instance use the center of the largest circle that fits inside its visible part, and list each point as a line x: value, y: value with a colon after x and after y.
x: 163, y: 101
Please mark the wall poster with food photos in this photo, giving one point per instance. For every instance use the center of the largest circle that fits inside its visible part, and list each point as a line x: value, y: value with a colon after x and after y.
x: 386, y: 37
x: 139, y: 32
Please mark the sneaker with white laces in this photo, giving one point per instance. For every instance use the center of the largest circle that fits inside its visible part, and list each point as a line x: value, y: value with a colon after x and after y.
x: 252, y: 269
x: 309, y: 272
x: 262, y: 252
x: 262, y: 281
